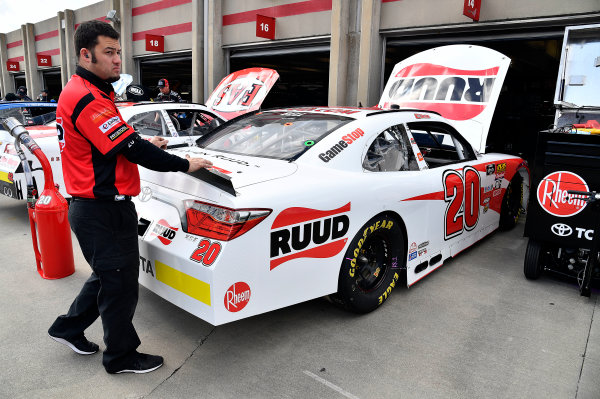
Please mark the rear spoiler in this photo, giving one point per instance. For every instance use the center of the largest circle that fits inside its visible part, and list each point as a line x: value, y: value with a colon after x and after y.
x: 215, y: 178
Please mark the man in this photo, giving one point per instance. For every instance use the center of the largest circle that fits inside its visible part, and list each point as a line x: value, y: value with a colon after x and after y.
x: 22, y: 94
x: 166, y: 94
x: 44, y: 96
x: 99, y: 156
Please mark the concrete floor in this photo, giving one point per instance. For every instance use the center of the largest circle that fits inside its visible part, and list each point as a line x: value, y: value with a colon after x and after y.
x: 476, y: 328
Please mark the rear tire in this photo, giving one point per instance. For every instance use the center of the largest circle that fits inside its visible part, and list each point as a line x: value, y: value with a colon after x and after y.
x: 512, y: 203
x: 533, y: 260
x: 372, y: 265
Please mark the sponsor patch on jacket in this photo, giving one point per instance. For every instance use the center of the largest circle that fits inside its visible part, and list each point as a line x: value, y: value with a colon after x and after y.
x: 105, y: 127
x: 119, y: 131
x: 105, y: 113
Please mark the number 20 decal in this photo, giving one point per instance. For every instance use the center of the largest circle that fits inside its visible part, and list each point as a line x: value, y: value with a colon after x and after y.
x: 207, y: 252
x: 462, y: 193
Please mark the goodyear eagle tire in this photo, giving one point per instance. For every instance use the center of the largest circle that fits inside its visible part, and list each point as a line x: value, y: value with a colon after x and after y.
x: 511, y: 203
x: 372, y: 265
x: 532, y: 267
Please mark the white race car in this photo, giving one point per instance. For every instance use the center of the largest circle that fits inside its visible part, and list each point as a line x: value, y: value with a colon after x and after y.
x: 180, y: 123
x: 347, y: 202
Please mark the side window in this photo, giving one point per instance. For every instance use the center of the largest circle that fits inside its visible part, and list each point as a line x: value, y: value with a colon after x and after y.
x: 196, y: 123
x: 440, y: 145
x: 149, y: 124
x: 390, y: 152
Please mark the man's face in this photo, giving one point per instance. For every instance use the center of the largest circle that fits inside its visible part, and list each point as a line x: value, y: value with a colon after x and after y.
x: 164, y: 89
x: 105, y: 59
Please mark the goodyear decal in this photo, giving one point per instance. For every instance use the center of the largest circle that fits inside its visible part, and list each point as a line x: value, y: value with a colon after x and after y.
x: 385, y: 224
x: 191, y: 286
x: 308, y: 233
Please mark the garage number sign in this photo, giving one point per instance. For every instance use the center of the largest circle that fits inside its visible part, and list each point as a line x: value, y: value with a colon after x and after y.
x: 472, y: 9
x: 44, y: 60
x: 12, y: 66
x: 265, y: 27
x: 155, y: 43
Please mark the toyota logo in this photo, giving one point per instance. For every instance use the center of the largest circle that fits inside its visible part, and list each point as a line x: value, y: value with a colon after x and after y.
x: 561, y: 229
x: 145, y: 194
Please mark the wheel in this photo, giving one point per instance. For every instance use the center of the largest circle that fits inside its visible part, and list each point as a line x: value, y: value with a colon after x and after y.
x: 511, y: 203
x: 533, y: 260
x: 372, y: 265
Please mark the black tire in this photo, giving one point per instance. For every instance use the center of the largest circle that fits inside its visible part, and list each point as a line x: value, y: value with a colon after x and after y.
x: 512, y: 203
x: 533, y: 260
x: 372, y: 265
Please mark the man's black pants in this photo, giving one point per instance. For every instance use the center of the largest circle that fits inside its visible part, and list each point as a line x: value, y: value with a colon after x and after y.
x: 107, y: 235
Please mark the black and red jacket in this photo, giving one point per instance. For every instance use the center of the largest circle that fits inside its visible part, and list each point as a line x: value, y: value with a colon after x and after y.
x: 99, y: 150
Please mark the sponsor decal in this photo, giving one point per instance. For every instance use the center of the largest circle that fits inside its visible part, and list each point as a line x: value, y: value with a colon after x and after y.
x: 412, y: 252
x: 6, y: 162
x: 237, y: 296
x: 114, y: 135
x: 422, y: 251
x: 191, y: 237
x: 105, y: 113
x: 207, y: 252
x: 61, y: 133
x: 490, y: 169
x: 422, y: 116
x: 145, y: 194
x: 564, y: 230
x: 164, y: 232
x: 423, y: 244
x: 308, y: 233
x: 486, y: 204
x: 498, y: 182
x: 496, y: 193
x: 327, y: 110
x: 553, y: 197
x: 105, y: 127
x: 457, y: 94
x: 146, y: 266
x: 341, y: 145
x: 420, y: 156
x: 501, y: 167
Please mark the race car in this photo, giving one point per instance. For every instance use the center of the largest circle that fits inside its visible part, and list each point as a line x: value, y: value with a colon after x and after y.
x: 180, y: 123
x: 334, y: 201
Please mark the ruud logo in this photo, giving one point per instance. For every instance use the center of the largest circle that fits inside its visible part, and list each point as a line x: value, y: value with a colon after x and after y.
x: 561, y: 229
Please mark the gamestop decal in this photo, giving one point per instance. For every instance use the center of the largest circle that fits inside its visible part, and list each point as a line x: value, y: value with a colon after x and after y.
x: 553, y: 197
x: 237, y: 297
x: 308, y: 233
x: 164, y: 232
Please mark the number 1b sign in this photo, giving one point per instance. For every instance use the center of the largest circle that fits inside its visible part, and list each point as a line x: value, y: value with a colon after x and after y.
x: 265, y: 27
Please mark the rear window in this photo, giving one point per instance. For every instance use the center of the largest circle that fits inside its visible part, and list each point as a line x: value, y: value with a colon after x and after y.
x: 273, y: 134
x: 29, y: 116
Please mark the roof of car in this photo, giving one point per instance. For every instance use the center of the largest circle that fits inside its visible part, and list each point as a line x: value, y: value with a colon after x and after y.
x: 353, y: 112
x: 23, y: 104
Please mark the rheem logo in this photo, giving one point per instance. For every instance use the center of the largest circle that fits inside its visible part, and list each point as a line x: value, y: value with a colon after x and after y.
x: 553, y: 197
x: 237, y: 297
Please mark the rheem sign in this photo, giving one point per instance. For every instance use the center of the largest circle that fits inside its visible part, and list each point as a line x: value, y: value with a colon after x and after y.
x: 265, y: 27
x: 44, y: 60
x: 472, y: 9
x: 155, y: 43
x: 12, y: 66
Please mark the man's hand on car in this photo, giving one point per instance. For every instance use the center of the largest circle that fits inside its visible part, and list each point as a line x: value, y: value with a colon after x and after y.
x: 159, y: 142
x: 197, y: 163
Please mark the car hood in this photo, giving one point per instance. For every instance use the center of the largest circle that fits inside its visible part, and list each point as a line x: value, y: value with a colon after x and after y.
x: 242, y: 91
x: 230, y: 172
x: 461, y: 82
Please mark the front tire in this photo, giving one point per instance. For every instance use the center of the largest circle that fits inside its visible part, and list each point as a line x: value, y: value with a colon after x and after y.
x: 533, y: 260
x: 512, y: 203
x: 372, y: 265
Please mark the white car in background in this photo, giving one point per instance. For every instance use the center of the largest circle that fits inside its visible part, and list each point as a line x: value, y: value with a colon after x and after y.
x: 338, y: 201
x: 180, y: 123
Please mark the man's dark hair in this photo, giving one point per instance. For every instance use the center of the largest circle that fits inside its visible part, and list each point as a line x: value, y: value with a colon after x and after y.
x: 11, y: 97
x: 86, y: 35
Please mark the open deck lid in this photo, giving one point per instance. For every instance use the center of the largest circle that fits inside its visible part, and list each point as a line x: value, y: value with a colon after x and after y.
x: 461, y: 82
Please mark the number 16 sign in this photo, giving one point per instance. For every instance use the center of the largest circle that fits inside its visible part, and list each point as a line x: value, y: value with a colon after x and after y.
x: 265, y: 27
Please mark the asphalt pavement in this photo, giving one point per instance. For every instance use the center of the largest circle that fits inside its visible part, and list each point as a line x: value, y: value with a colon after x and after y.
x: 475, y: 328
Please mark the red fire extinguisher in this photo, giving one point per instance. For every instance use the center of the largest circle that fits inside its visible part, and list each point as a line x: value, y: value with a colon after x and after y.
x: 48, y: 216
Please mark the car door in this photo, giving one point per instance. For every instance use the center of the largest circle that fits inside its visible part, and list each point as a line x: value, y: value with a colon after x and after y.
x: 457, y: 216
